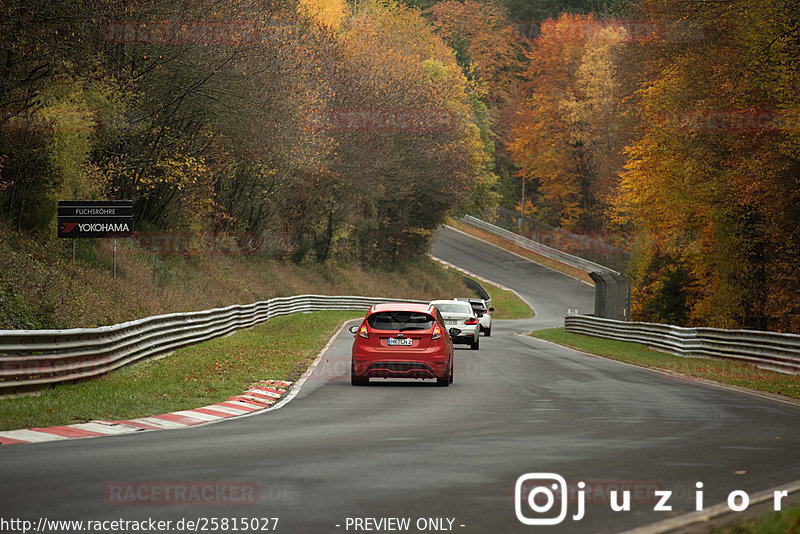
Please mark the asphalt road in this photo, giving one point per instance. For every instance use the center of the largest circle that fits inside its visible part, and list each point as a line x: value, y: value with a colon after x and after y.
x: 411, y: 450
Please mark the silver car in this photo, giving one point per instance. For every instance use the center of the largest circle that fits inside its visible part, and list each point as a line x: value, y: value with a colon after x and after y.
x: 460, y: 315
x: 482, y: 310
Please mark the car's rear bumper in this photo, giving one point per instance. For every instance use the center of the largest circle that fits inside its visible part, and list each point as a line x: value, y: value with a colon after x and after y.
x: 417, y: 364
x: 404, y: 369
x: 469, y: 333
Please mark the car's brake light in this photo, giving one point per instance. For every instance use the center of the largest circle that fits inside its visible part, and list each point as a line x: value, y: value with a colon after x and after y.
x: 471, y: 321
x: 437, y: 332
x: 363, y: 331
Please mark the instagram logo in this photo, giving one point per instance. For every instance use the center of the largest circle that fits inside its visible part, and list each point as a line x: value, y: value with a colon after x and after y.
x: 537, y: 493
x: 535, y: 496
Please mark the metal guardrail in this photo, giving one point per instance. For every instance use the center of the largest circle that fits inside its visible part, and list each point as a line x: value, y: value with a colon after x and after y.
x: 599, y: 251
x: 538, y: 248
x: 768, y: 350
x: 38, y: 358
x: 478, y: 288
x: 612, y: 290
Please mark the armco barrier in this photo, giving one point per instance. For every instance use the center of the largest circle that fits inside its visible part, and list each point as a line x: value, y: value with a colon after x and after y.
x: 479, y: 289
x: 612, y: 290
x: 768, y: 350
x: 38, y: 358
x: 538, y: 248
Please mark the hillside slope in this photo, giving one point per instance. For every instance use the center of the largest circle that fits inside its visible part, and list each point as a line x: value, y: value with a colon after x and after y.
x: 41, y: 288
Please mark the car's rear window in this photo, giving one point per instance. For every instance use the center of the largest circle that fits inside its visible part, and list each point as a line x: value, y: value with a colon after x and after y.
x: 400, y: 320
x: 454, y: 307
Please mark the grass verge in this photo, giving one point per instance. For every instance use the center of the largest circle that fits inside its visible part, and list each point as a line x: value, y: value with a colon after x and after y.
x: 784, y: 522
x: 506, y: 304
x: 537, y: 258
x: 195, y: 376
x: 723, y: 371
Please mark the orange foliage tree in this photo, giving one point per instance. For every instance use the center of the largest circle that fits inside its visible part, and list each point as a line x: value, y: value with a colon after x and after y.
x: 712, y: 182
x: 566, y: 136
x: 490, y: 53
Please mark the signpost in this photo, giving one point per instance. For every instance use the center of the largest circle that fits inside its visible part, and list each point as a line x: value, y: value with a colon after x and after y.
x: 95, y: 218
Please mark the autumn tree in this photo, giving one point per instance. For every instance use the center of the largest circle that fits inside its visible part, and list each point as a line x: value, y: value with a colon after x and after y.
x: 712, y: 183
x: 485, y: 42
x: 490, y: 52
x: 567, y: 135
x: 329, y: 132
x: 430, y: 161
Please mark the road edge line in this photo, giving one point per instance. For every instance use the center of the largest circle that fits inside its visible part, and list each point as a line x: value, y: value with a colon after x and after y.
x: 297, y: 385
x: 714, y: 513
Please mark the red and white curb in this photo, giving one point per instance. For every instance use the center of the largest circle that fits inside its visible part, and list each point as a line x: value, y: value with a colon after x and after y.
x: 258, y: 397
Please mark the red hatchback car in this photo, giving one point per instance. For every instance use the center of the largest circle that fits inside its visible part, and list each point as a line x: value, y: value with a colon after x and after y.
x: 402, y: 340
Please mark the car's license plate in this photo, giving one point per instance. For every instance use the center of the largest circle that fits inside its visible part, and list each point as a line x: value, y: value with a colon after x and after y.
x: 404, y: 341
x: 451, y: 322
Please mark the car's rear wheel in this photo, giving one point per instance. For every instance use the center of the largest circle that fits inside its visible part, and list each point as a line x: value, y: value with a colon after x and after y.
x: 475, y: 345
x: 447, y: 380
x: 357, y: 380
x: 488, y: 332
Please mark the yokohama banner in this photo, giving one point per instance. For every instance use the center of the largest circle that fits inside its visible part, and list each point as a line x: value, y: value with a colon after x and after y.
x: 95, y: 218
